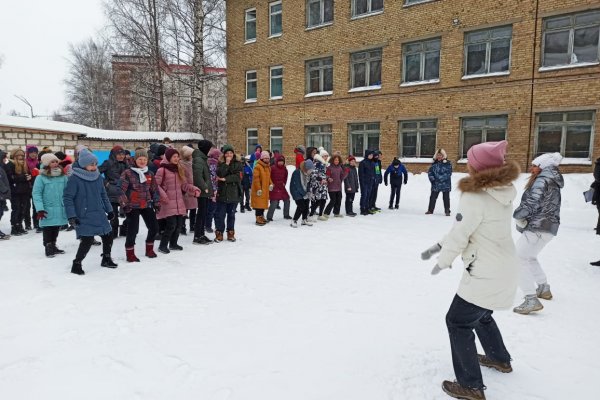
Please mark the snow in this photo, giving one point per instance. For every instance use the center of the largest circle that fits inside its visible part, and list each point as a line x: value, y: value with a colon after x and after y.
x: 341, y: 310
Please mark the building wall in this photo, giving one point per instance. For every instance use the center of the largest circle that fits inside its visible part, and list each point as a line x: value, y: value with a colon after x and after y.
x: 519, y: 95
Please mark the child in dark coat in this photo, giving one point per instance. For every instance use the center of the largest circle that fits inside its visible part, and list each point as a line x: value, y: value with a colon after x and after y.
x: 246, y: 185
x: 20, y: 180
x: 398, y: 174
x: 351, y: 185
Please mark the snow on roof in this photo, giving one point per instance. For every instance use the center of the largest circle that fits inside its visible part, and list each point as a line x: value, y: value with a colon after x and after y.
x: 93, y: 133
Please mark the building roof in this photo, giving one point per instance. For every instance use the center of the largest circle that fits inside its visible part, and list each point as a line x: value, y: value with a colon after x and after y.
x: 93, y: 133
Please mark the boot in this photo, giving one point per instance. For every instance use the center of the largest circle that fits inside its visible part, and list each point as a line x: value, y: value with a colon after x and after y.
x: 530, y: 304
x: 15, y: 231
x: 175, y: 246
x: 4, y: 236
x: 130, y: 252
x: 107, y: 261
x: 248, y: 207
x: 20, y: 228
x: 56, y: 250
x: 306, y: 222
x: 294, y: 224
x: 76, y: 268
x: 150, y: 250
x: 183, y: 230
x: 49, y: 250
x: 543, y: 292
x: 231, y: 236
x: 163, y: 246
x: 454, y: 389
x: 218, y: 236
x: 397, y: 206
x: 261, y: 221
x: 498, y: 366
x: 390, y: 207
x: 595, y: 263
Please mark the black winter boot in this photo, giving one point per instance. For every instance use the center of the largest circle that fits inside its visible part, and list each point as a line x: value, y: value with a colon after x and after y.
x: 56, y: 250
x: 15, y: 231
x: 107, y: 261
x: 49, y: 250
x: 76, y: 268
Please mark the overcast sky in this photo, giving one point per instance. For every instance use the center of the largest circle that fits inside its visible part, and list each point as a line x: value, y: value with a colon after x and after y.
x: 34, y: 40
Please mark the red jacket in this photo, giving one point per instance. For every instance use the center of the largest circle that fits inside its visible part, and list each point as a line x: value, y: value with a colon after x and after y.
x: 299, y: 158
x: 279, y: 176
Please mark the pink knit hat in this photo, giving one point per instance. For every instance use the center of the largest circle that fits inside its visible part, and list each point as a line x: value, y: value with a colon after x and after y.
x: 487, y: 155
x: 265, y: 154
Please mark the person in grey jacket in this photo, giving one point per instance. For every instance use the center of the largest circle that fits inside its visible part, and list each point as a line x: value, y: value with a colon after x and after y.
x: 202, y: 181
x: 4, y: 191
x: 538, y: 219
x: 351, y: 184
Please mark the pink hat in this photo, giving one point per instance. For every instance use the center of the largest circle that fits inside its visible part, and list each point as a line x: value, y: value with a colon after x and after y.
x: 265, y: 154
x: 487, y: 155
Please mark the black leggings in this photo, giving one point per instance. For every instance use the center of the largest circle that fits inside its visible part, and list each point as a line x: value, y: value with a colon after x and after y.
x: 50, y: 234
x: 199, y: 228
x: 86, y: 243
x: 133, y: 225
x: 20, y: 205
x: 335, y: 203
x: 172, y: 230
x: 317, y: 203
x: 302, y: 206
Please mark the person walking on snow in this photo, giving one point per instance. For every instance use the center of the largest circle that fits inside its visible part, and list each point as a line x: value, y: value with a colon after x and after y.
x: 366, y: 176
x: 201, y: 174
x: 482, y: 236
x: 440, y: 176
x: 299, y: 151
x: 19, y: 177
x: 261, y: 186
x: 229, y: 192
x: 335, y: 176
x: 246, y: 185
x: 112, y: 170
x: 351, y: 185
x: 300, y: 192
x: 398, y: 174
x: 378, y: 180
x: 279, y: 176
x: 538, y: 219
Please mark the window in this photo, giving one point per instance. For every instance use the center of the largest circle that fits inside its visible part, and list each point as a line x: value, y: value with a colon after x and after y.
x: 251, y: 140
x: 251, y: 25
x: 364, y: 7
x: 482, y: 129
x: 276, y: 139
x: 571, y: 39
x: 319, y: 12
x: 363, y: 137
x: 421, y: 61
x: 319, y: 75
x: 275, y: 21
x: 319, y: 136
x: 569, y: 133
x: 276, y: 82
x: 250, y: 86
x: 366, y: 68
x: 488, y: 51
x: 410, y: 2
x: 417, y: 138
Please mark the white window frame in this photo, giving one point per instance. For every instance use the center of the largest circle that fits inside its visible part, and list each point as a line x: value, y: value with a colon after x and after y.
x: 422, y: 54
x: 271, y: 14
x: 254, y: 99
x: 564, y: 124
x: 419, y: 130
x: 248, y: 149
x: 484, y: 130
x: 365, y: 133
x: 408, y: 3
x: 321, y: 70
x: 328, y: 131
x: 367, y: 63
x: 275, y: 128
x: 246, y: 21
x: 488, y: 53
x: 271, y: 77
x: 322, y: 13
x: 369, y: 11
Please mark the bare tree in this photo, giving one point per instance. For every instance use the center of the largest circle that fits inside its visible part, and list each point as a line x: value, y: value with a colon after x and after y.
x: 89, y: 85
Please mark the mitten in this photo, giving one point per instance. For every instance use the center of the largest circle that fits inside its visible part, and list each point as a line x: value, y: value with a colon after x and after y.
x: 436, y: 270
x: 427, y: 254
x: 271, y: 187
x: 521, y: 223
x: 41, y: 214
x: 110, y: 216
x: 156, y: 206
x: 74, y: 222
x: 259, y: 192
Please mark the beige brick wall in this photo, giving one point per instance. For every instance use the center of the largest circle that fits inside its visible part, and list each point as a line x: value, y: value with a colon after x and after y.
x: 448, y: 100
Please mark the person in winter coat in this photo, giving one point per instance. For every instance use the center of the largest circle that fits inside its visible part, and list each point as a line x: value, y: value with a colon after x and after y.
x: 4, y: 191
x: 261, y: 186
x: 279, y: 176
x: 139, y: 198
x: 19, y: 178
x: 300, y: 192
x: 440, y: 176
x: 335, y: 176
x: 202, y: 181
x: 318, y: 185
x: 482, y: 236
x: 159, y: 155
x: 89, y: 210
x: 33, y: 164
x: 310, y: 153
x: 299, y: 151
x: 191, y: 203
x: 596, y: 200
x: 229, y: 191
x: 366, y: 176
x: 213, y: 161
x: 246, y: 184
x: 112, y: 170
x: 48, y: 191
x: 172, y: 187
x: 351, y: 185
x: 254, y: 157
x: 378, y: 180
x: 538, y: 219
x: 398, y: 175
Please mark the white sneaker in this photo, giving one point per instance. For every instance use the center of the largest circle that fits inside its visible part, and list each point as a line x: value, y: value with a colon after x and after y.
x: 306, y: 222
x: 322, y: 218
x: 312, y: 219
x: 294, y: 224
x: 338, y: 215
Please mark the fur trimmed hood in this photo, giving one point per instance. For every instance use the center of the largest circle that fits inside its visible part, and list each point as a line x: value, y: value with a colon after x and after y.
x: 490, y: 178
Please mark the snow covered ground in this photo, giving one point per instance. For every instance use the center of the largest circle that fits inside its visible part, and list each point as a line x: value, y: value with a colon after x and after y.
x: 344, y: 310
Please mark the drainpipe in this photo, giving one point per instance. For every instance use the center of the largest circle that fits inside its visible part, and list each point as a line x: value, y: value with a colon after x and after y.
x: 533, y: 60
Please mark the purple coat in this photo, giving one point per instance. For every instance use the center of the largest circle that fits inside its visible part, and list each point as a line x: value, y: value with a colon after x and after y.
x: 335, y: 177
x: 190, y: 201
x: 171, y: 191
x: 279, y: 176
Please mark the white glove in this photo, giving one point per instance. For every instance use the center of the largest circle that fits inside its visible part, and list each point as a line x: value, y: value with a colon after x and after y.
x: 521, y: 223
x: 436, y: 270
x: 271, y: 188
x: 427, y: 254
x: 259, y: 192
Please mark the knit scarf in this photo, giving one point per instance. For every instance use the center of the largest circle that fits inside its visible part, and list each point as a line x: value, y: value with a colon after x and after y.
x: 56, y: 171
x: 85, y: 174
x: 141, y: 173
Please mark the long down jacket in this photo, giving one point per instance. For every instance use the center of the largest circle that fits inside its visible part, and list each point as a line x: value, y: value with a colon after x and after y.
x: 201, y: 173
x: 261, y: 179
x: 351, y: 181
x: 279, y: 176
x: 172, y: 190
x: 48, y: 194
x: 190, y: 201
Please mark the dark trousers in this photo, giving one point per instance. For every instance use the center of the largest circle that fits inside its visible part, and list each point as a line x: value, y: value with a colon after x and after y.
x: 335, y: 203
x: 86, y: 243
x: 50, y: 234
x: 192, y: 217
x: 373, y: 198
x: 211, y: 208
x: 115, y: 221
x: 462, y: 318
x: 20, y: 205
x: 2, y: 205
x: 273, y: 206
x: 433, y: 199
x: 302, y: 206
x: 597, y: 224
x: 200, y: 217
x: 259, y: 212
x: 172, y: 230
x: 365, y: 197
x: 36, y: 222
x: 246, y: 195
x: 395, y: 193
x: 133, y: 225
x: 317, y: 204
x: 349, y: 202
x: 225, y: 209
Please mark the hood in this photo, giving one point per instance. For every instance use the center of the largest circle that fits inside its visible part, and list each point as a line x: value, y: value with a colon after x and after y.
x: 367, y: 152
x: 320, y: 159
x: 492, y: 178
x: 503, y: 194
x: 552, y: 173
x: 198, y: 154
x: 214, y: 153
x: 3, y: 154
x: 280, y: 157
x: 154, y: 147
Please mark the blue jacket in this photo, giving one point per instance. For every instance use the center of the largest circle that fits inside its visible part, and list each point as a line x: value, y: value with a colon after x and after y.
x: 87, y: 201
x: 48, y: 196
x: 366, y: 171
x: 440, y: 176
x: 297, y: 191
x: 396, y: 175
x: 247, y: 177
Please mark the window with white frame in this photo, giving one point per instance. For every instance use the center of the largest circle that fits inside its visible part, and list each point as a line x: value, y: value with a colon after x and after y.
x: 251, y: 82
x: 276, y: 82
x: 482, y: 129
x: 275, y: 19
x: 421, y: 61
x: 487, y: 51
x: 569, y: 133
x: 363, y: 137
x: 276, y: 139
x: 318, y: 12
x: 319, y: 75
x: 366, y: 68
x: 250, y: 25
x: 319, y: 136
x: 364, y: 7
x: 251, y: 140
x: 571, y: 39
x: 418, y: 138
x: 410, y: 2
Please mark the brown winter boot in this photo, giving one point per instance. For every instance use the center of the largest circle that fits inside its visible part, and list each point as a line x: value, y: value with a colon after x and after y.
x: 454, y: 389
x: 231, y: 235
x: 150, y: 250
x: 261, y: 221
x: 218, y: 236
x: 497, y: 365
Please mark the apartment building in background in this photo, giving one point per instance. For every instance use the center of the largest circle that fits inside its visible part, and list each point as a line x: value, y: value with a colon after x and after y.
x: 411, y: 76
